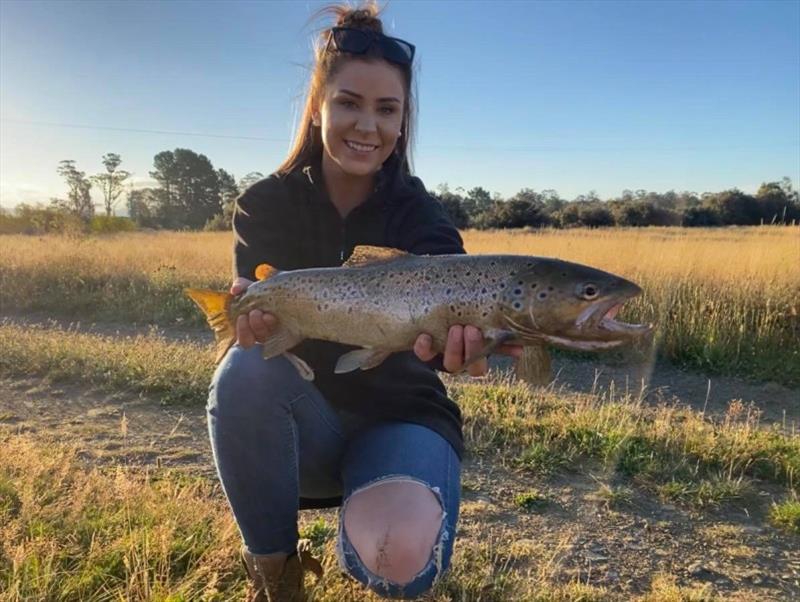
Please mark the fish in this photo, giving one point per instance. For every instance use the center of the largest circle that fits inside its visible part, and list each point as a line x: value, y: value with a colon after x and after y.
x: 382, y: 299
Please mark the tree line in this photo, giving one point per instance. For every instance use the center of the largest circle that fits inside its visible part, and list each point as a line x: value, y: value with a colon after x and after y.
x: 774, y: 203
x: 192, y: 194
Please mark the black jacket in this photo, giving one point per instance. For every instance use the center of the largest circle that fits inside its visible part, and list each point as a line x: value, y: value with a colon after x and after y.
x: 290, y: 223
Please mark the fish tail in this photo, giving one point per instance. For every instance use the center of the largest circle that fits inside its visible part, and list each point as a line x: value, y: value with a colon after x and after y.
x: 216, y: 306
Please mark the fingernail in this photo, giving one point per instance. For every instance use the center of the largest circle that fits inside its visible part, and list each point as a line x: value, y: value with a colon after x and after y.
x: 472, y: 333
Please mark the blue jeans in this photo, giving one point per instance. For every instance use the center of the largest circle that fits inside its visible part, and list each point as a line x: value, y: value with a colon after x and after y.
x: 275, y: 438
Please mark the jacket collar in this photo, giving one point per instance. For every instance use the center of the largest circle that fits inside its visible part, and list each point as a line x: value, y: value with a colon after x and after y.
x: 385, y: 180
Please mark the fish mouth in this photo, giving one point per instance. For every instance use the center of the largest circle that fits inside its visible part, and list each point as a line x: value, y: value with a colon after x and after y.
x: 597, y: 328
x: 600, y: 318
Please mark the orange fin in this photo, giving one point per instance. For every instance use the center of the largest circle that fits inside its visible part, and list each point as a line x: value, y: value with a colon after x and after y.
x: 216, y: 306
x: 368, y: 255
x: 265, y: 271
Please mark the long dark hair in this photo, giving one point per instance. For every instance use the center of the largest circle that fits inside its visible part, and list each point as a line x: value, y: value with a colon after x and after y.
x: 308, y: 139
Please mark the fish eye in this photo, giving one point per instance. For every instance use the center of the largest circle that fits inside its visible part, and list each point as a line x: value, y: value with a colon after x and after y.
x: 589, y: 291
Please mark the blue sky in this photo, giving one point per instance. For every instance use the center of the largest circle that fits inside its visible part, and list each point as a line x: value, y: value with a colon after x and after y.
x: 575, y: 96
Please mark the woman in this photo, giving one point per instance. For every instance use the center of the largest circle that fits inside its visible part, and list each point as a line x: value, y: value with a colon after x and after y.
x: 384, y: 443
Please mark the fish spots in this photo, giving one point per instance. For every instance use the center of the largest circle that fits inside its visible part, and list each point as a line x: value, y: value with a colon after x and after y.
x: 517, y: 292
x: 542, y: 295
x: 550, y: 288
x: 517, y: 305
x: 533, y: 285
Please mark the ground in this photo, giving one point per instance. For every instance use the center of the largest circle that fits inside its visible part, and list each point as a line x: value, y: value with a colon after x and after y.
x: 571, y: 531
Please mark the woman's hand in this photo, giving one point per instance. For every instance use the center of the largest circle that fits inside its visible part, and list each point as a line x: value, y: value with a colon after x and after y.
x: 256, y: 326
x: 462, y: 342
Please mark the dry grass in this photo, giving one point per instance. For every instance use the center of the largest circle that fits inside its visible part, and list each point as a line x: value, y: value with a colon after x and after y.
x: 696, y: 460
x: 725, y: 300
x: 68, y: 533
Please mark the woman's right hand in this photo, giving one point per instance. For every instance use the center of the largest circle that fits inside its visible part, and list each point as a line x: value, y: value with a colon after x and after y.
x: 256, y: 326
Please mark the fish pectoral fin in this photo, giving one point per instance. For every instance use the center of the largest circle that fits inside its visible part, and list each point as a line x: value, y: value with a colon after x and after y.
x: 361, y: 358
x: 264, y: 271
x: 494, y: 338
x: 303, y: 368
x: 279, y: 342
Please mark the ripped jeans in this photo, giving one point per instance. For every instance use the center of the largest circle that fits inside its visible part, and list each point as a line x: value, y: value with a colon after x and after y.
x: 275, y: 439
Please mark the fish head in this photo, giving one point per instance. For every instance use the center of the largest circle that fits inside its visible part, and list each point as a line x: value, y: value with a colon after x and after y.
x: 570, y: 305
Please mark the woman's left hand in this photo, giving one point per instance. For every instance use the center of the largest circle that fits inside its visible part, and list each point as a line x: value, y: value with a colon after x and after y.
x: 462, y: 342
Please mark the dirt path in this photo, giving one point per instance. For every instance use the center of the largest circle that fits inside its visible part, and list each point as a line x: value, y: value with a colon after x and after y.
x: 573, y: 536
x: 663, y: 382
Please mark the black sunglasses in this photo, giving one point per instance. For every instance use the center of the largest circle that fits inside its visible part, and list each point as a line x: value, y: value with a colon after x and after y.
x: 359, y: 41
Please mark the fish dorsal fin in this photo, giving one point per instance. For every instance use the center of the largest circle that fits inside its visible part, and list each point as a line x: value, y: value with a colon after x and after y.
x: 368, y: 255
x: 265, y: 271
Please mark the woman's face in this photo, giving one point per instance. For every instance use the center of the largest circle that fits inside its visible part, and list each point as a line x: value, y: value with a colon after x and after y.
x: 361, y: 115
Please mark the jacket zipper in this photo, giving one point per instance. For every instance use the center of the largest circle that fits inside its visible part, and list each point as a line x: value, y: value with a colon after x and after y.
x: 343, y: 243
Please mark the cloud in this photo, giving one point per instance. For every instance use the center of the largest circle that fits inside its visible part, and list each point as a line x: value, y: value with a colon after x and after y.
x: 11, y: 196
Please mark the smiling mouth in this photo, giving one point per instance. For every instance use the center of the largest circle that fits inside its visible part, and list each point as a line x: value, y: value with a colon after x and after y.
x: 360, y: 148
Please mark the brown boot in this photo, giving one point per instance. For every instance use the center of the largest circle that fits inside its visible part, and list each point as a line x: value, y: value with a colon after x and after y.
x: 278, y: 577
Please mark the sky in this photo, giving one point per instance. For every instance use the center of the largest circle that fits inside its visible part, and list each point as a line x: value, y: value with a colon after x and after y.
x: 571, y: 96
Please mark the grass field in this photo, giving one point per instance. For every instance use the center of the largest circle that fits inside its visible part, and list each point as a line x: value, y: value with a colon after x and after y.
x: 680, y: 504
x: 123, y: 533
x: 724, y: 300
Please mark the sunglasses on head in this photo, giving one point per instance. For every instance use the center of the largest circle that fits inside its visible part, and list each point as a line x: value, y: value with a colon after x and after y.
x: 359, y: 41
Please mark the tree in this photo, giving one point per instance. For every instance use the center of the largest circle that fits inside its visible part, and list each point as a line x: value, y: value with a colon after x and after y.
x: 79, y: 197
x: 643, y: 213
x: 700, y: 216
x: 477, y: 201
x: 191, y: 188
x: 515, y: 213
x: 734, y: 207
x: 582, y: 213
x: 454, y: 206
x: 112, y: 182
x: 142, y: 206
x: 250, y: 179
x: 553, y: 203
x: 228, y: 190
x: 778, y: 202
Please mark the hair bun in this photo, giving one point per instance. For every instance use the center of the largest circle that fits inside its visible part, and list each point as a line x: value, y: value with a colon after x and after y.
x: 361, y: 18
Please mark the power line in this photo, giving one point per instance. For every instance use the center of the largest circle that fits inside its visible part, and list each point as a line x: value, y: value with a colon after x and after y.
x: 543, y: 148
x: 141, y: 130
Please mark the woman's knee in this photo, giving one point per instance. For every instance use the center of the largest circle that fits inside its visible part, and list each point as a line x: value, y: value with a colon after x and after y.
x: 244, y: 379
x: 396, y: 530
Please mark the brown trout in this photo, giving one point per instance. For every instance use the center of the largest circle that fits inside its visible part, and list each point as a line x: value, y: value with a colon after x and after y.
x: 381, y: 299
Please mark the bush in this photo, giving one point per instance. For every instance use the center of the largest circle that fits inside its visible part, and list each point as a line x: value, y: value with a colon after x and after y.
x: 218, y: 223
x: 106, y: 224
x: 36, y: 219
